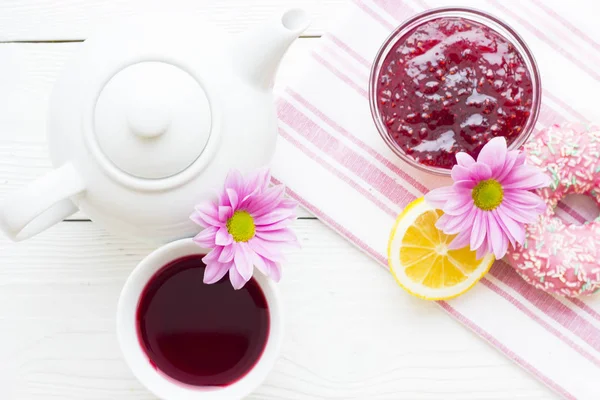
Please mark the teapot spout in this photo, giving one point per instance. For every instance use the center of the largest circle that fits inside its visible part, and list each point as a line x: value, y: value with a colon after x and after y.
x: 258, y: 52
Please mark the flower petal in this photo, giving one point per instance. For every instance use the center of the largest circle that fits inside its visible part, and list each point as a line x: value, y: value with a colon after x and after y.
x: 524, y: 199
x: 232, y: 195
x: 227, y: 253
x: 259, y: 181
x: 259, y: 262
x: 495, y: 236
x: 518, y: 213
x: 526, y: 178
x: 516, y: 229
x: 266, y: 201
x: 509, y: 164
x: 481, y: 252
x: 243, y: 260
x: 493, y: 154
x: 486, y: 246
x: 265, y: 249
x: 234, y: 180
x: 521, y: 172
x: 274, y: 270
x: 504, y: 227
x: 442, y: 221
x: 281, y: 235
x: 288, y: 203
x: 212, y: 255
x: 274, y: 216
x: 459, y: 204
x: 215, y: 271
x: 284, y: 223
x: 223, y: 237
x: 460, y: 173
x: 481, y: 172
x: 206, y: 238
x: 461, y: 186
x: 478, y: 230
x: 195, y: 217
x: 460, y: 241
x: 465, y: 160
x: 237, y: 281
x: 454, y: 224
x: 438, y: 197
x: 541, y: 208
x: 225, y: 213
x: 206, y: 214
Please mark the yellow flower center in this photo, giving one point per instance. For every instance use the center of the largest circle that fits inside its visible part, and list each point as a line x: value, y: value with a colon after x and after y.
x: 488, y: 195
x: 241, y: 226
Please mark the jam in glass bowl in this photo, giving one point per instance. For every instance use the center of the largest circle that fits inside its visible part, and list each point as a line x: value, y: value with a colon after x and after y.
x: 449, y: 80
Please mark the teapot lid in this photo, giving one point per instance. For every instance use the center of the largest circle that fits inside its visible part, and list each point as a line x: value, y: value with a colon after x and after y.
x: 152, y: 120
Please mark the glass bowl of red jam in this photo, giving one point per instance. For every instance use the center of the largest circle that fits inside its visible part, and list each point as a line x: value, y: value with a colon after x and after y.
x: 449, y: 80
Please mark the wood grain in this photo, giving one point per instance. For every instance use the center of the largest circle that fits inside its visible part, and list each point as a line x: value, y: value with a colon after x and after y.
x: 27, y: 74
x: 51, y: 20
x: 351, y: 333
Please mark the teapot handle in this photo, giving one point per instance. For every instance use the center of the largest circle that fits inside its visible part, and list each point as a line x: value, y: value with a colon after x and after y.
x: 41, y: 204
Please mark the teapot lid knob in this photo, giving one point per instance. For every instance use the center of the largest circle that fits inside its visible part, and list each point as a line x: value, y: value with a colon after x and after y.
x: 148, y: 120
x: 152, y: 120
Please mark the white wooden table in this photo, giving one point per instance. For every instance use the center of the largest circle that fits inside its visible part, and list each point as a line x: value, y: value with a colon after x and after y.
x: 351, y: 332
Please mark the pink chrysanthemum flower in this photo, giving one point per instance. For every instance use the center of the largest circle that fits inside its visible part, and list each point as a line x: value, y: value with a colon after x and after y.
x: 246, y: 227
x: 490, y: 200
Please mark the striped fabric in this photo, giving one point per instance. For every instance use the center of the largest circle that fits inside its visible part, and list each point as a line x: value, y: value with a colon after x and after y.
x: 334, y: 162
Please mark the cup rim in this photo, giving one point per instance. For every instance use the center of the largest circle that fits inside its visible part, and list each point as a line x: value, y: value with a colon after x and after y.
x: 473, y: 14
x: 136, y: 358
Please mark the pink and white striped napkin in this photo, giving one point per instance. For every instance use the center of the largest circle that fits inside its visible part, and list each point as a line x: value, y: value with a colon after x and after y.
x: 334, y: 162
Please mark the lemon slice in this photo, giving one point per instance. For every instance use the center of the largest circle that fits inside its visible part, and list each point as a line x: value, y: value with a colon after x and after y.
x: 420, y: 261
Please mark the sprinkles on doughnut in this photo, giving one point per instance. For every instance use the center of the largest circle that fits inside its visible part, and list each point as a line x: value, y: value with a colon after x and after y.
x: 557, y: 257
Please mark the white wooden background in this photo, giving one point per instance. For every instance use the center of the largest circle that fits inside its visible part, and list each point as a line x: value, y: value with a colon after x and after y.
x: 351, y: 332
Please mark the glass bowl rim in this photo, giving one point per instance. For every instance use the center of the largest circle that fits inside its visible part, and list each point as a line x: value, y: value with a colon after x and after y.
x: 481, y: 17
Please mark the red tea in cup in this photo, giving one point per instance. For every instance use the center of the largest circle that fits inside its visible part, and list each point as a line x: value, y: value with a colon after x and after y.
x: 198, y: 334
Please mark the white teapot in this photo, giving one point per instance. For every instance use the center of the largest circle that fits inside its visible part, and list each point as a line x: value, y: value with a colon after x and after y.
x: 149, y: 118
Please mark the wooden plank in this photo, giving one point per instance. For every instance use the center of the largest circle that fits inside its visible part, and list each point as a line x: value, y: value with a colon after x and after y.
x: 27, y: 74
x: 350, y: 331
x: 45, y: 20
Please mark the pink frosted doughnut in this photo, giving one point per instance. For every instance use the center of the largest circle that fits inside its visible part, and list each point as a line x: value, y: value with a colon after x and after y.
x: 557, y: 257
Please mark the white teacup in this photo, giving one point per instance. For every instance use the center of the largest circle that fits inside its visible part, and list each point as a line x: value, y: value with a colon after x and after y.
x: 159, y: 383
